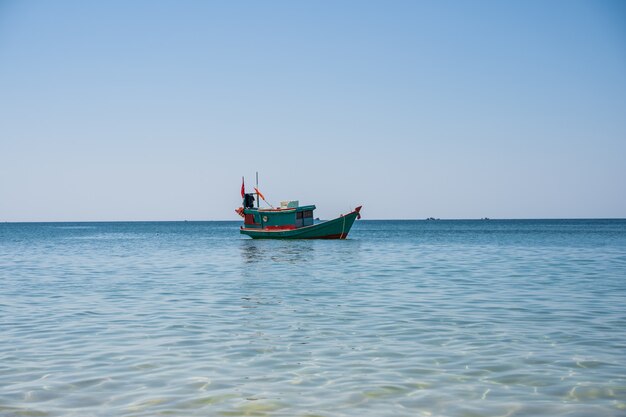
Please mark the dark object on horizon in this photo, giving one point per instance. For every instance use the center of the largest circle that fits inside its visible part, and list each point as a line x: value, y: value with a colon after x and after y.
x: 432, y: 218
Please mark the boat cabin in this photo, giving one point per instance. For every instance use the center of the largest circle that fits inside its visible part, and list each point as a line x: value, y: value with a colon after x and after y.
x: 288, y: 217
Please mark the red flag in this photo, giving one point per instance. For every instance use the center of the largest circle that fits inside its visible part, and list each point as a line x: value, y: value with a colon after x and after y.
x: 243, y: 188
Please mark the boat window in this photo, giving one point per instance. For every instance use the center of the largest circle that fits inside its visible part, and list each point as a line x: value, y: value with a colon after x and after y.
x: 307, y: 213
x: 299, y: 215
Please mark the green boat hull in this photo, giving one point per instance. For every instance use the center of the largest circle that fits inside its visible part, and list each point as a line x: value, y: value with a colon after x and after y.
x: 333, y: 229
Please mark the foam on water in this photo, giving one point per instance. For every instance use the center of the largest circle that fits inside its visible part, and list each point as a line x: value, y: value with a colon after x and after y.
x: 448, y: 318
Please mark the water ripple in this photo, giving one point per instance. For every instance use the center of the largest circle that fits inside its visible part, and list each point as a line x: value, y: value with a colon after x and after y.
x: 405, y: 318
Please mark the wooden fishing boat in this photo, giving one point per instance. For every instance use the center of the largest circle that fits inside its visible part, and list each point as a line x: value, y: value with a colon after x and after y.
x: 290, y: 221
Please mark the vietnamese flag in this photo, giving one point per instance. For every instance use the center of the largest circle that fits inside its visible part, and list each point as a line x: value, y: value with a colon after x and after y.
x: 243, y: 188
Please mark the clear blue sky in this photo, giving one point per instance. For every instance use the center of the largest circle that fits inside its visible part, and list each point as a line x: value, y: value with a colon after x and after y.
x: 153, y: 110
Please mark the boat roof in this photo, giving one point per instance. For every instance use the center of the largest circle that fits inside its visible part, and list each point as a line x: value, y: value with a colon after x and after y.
x: 282, y: 210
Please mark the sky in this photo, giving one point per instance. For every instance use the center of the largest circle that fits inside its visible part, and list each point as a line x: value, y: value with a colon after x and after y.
x: 154, y: 110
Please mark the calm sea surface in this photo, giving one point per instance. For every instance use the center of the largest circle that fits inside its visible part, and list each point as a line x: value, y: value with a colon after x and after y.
x: 405, y: 318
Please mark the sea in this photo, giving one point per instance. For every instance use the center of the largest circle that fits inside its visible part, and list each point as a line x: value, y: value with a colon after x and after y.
x: 404, y: 318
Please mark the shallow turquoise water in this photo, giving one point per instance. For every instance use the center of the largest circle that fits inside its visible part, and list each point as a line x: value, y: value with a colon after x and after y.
x: 405, y: 318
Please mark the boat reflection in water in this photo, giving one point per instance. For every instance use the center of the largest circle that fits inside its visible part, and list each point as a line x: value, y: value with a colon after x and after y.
x: 253, y: 251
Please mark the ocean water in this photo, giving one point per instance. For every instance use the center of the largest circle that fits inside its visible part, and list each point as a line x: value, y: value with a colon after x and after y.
x: 404, y: 318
